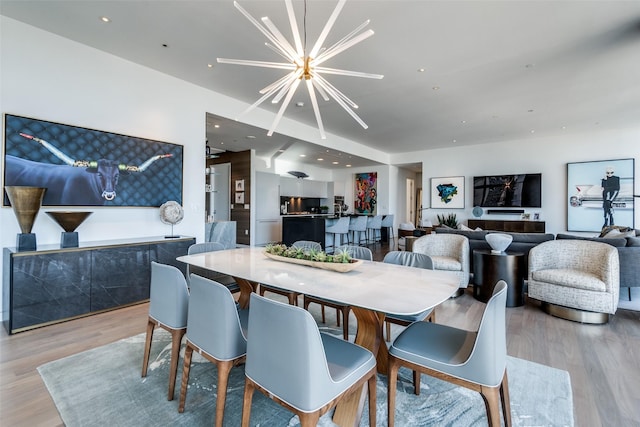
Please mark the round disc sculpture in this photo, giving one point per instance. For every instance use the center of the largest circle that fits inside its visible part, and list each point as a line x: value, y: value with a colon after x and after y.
x: 499, y: 242
x: 69, y: 221
x: 26, y: 202
x: 171, y: 213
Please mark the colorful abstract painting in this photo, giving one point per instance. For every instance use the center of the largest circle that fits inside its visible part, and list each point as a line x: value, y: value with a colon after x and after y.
x: 366, y: 193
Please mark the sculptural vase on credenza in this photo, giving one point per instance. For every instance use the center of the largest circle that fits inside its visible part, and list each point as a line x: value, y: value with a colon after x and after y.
x: 69, y: 221
x: 26, y: 202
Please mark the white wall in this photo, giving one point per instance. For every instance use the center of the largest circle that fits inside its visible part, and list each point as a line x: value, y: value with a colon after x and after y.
x: 548, y: 156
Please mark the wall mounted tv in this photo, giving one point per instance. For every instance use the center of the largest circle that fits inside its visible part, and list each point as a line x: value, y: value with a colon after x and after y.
x: 508, y: 191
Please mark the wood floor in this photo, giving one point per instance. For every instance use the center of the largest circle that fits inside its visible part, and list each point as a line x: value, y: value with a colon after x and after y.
x: 603, y: 361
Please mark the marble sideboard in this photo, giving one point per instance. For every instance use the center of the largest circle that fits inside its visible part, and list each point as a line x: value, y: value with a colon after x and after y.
x: 53, y: 284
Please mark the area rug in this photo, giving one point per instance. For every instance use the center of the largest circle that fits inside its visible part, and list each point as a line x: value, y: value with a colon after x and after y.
x: 103, y: 386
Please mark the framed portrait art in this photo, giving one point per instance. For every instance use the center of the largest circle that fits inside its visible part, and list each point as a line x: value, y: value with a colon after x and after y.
x: 87, y: 167
x: 600, y: 194
x: 447, y: 192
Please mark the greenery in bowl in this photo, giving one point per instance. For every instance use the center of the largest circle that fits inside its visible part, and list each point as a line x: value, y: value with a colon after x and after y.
x: 309, y: 255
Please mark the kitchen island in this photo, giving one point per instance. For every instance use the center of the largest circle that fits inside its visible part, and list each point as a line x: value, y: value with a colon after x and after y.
x: 304, y: 227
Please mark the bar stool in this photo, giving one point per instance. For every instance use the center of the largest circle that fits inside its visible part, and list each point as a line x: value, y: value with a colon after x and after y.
x: 338, y: 229
x: 358, y: 224
x: 387, y: 222
x: 374, y: 224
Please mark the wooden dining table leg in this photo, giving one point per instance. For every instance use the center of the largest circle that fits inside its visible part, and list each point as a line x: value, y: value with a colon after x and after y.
x: 369, y: 335
x: 246, y: 287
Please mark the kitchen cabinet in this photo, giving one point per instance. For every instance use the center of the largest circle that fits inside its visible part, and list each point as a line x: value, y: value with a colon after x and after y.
x: 293, y: 187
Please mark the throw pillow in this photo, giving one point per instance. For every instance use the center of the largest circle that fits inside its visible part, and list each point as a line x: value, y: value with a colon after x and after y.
x: 464, y: 227
x: 608, y: 229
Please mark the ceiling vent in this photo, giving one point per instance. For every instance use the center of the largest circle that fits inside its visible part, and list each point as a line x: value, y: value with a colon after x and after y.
x: 298, y: 174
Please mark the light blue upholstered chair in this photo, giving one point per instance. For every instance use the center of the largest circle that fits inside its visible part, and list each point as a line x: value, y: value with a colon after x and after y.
x: 168, y: 306
x: 307, y: 372
x: 357, y: 252
x: 358, y: 225
x: 199, y: 248
x: 217, y: 331
x: 338, y: 229
x: 472, y: 359
x: 387, y: 222
x: 449, y: 252
x: 307, y: 246
x: 408, y: 259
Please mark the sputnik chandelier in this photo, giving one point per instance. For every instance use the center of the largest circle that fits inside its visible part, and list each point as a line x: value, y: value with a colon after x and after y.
x: 304, y: 66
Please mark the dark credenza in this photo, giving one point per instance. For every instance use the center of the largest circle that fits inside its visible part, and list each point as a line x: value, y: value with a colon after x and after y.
x: 53, y: 284
x: 506, y: 225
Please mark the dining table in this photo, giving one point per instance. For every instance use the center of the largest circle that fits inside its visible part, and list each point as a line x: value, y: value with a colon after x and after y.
x: 372, y: 289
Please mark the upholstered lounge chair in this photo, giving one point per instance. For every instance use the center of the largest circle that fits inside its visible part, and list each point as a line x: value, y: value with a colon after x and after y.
x: 577, y: 280
x: 449, y: 252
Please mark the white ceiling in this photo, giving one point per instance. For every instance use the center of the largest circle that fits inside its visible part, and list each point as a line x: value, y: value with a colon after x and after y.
x: 504, y: 70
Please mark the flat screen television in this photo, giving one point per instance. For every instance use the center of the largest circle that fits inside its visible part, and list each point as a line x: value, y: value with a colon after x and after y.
x: 508, y: 191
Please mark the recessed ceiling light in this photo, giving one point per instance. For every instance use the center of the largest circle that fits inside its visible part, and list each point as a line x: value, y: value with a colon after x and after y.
x: 303, y: 155
x: 421, y: 70
x: 251, y: 137
x: 335, y: 163
x: 281, y: 151
x: 463, y: 121
x: 348, y: 166
x: 210, y: 65
x: 299, y: 104
x: 216, y: 126
x: 533, y: 131
x: 320, y: 159
x: 436, y: 88
x: 564, y: 127
x: 105, y: 19
x: 455, y: 140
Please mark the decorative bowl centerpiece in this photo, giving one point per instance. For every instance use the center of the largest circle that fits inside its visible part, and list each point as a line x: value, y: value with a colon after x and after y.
x: 69, y: 221
x: 499, y: 242
x: 340, y: 262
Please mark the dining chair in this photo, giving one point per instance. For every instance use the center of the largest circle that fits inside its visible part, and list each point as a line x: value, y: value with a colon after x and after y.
x: 292, y: 296
x: 408, y: 259
x: 307, y: 372
x: 358, y: 224
x: 338, y: 229
x: 168, y: 306
x: 387, y: 222
x: 357, y: 252
x: 198, y: 248
x: 472, y: 359
x: 218, y: 332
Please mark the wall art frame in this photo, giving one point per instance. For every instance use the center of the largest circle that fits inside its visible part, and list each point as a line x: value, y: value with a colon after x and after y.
x: 366, y: 189
x: 87, y: 167
x: 600, y: 194
x: 447, y: 192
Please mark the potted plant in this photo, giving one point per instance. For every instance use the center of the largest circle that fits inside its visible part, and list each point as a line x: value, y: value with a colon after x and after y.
x: 324, y: 209
x: 450, y: 220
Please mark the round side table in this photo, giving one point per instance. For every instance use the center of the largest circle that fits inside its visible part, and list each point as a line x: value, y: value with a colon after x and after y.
x: 489, y: 268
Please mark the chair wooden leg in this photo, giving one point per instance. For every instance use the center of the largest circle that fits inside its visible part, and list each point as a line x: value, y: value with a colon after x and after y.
x: 309, y: 419
x: 345, y: 323
x: 372, y: 399
x: 151, y: 324
x: 186, y: 368
x: 506, y: 400
x: 224, y: 367
x: 337, y: 316
x: 491, y: 396
x: 176, y: 339
x: 391, y: 392
x: 388, y: 325
x: 249, y: 388
x: 416, y: 383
